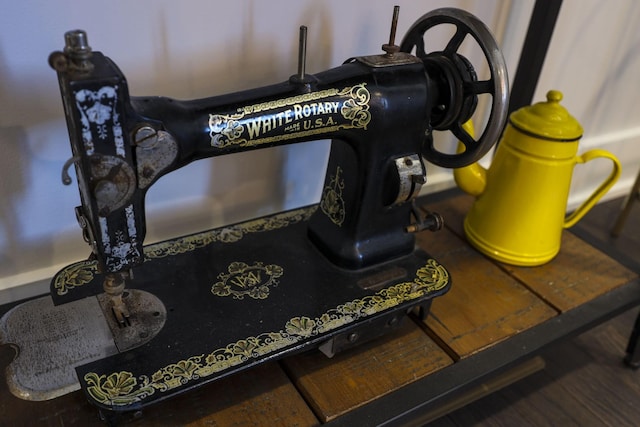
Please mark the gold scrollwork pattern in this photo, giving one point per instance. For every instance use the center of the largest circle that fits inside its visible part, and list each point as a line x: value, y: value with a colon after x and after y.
x: 230, y: 234
x: 332, y: 203
x: 225, y: 129
x: 124, y: 388
x: 118, y: 388
x: 292, y: 100
x: 309, y: 114
x: 247, y: 280
x: 75, y: 275
x: 356, y: 109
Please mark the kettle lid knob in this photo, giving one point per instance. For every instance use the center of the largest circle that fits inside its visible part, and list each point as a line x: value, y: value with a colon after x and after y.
x: 554, y: 96
x: 548, y: 120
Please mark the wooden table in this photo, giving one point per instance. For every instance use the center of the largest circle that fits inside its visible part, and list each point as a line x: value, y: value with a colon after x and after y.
x: 494, y: 318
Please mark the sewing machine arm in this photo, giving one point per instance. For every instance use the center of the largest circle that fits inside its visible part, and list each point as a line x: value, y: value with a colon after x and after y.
x: 123, y: 144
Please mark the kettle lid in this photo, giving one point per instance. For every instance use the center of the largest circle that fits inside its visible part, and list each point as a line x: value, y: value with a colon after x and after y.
x: 548, y: 120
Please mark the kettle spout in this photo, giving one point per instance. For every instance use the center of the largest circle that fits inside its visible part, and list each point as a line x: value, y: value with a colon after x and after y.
x: 471, y: 179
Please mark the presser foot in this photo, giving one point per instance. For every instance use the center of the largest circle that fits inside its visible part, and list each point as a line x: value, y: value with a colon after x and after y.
x: 120, y: 312
x: 114, y: 285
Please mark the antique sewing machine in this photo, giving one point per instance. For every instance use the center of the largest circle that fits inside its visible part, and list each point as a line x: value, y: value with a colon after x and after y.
x: 136, y: 324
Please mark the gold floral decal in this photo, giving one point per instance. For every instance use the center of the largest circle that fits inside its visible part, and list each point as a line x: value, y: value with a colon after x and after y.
x: 356, y: 109
x: 117, y: 389
x: 332, y: 203
x: 247, y: 280
x: 224, y: 129
x: 123, y: 388
x: 242, y: 128
x: 75, y: 275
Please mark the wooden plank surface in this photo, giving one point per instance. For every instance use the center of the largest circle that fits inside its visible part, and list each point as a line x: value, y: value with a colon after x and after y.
x: 584, y: 383
x: 261, y: 396
x: 484, y: 306
x: 351, y: 379
x: 579, y: 273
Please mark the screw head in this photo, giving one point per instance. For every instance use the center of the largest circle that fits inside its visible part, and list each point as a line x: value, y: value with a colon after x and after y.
x: 145, y: 136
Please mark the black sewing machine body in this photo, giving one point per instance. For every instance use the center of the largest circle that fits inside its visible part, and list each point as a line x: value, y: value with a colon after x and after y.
x: 200, y: 307
x: 353, y: 104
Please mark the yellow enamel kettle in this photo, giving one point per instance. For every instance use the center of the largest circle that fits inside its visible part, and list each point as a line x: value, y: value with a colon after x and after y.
x: 521, y: 200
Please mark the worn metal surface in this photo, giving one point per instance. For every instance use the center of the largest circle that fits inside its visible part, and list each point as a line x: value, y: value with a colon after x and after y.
x: 147, y: 316
x: 379, y: 61
x: 412, y: 176
x: 155, y: 153
x: 50, y: 342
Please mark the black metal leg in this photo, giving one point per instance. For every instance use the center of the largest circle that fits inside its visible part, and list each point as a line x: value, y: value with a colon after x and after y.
x: 633, y: 347
x: 536, y: 44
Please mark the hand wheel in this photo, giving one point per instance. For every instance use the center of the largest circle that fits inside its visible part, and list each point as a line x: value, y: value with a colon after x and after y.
x: 456, y: 85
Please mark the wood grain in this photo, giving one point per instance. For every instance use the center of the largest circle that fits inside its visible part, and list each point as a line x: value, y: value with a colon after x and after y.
x: 579, y: 273
x: 584, y: 384
x: 351, y: 379
x: 484, y: 306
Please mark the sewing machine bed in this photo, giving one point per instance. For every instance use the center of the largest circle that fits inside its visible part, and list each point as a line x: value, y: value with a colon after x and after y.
x: 260, y: 291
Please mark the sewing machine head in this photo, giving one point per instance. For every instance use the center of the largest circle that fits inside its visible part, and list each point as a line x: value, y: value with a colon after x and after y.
x: 379, y: 111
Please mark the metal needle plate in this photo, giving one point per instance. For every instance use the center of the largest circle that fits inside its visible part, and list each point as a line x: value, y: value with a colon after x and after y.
x: 51, y: 341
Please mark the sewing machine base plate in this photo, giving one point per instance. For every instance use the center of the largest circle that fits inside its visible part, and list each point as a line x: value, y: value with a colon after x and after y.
x: 242, y: 295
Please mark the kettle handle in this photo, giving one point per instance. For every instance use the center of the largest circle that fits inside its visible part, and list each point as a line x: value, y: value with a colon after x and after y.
x: 576, y: 215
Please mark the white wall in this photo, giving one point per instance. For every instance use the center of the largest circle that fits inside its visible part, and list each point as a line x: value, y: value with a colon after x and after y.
x: 197, y: 48
x: 594, y: 59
